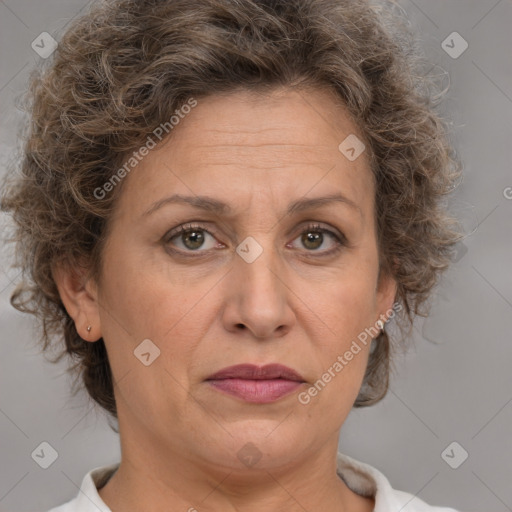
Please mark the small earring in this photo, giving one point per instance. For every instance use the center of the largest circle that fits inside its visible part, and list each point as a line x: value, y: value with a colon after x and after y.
x: 380, y: 324
x: 89, y: 328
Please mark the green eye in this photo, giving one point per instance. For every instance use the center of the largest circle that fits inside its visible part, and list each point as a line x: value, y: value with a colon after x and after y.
x: 313, y: 237
x: 194, y: 238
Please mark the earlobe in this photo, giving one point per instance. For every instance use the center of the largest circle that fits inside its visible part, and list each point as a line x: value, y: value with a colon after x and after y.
x: 78, y: 293
x: 386, y: 293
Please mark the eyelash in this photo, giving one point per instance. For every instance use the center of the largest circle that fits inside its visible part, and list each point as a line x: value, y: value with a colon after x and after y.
x: 340, y: 241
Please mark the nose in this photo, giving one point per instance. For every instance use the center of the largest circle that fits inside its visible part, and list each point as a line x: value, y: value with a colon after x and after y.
x: 258, y: 296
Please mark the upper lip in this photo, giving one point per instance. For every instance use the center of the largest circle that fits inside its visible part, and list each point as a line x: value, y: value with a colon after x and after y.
x: 254, y: 372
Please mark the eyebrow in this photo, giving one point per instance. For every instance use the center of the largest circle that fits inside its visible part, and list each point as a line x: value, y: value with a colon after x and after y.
x: 212, y: 205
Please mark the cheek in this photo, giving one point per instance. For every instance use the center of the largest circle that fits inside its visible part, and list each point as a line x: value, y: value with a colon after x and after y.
x: 147, y: 307
x: 146, y: 299
x: 150, y: 304
x: 174, y: 308
x: 343, y: 310
x: 341, y: 356
x: 346, y: 303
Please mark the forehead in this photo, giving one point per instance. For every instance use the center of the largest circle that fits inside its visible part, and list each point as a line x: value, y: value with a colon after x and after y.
x: 298, y: 124
x: 282, y: 143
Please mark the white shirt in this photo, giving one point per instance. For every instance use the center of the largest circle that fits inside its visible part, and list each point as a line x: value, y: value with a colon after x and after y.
x: 361, y: 478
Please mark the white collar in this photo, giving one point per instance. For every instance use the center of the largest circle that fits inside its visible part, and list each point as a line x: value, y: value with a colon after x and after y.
x: 361, y: 478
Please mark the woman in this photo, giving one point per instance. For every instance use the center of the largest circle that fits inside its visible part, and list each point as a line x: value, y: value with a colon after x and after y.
x: 221, y: 205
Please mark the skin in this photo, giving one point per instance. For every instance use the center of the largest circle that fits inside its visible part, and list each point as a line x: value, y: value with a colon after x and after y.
x: 179, y: 437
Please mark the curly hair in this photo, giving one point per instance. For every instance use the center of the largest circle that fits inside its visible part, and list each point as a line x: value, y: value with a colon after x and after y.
x: 123, y: 69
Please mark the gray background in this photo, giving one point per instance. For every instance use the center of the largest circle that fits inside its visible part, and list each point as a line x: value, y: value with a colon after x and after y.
x: 454, y: 384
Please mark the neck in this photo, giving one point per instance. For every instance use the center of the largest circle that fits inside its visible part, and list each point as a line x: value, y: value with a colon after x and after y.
x: 178, y: 483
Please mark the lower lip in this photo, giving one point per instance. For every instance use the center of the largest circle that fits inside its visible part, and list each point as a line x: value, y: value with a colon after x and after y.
x: 257, y: 391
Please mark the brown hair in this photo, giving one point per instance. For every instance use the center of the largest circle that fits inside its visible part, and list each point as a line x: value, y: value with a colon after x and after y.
x: 125, y: 67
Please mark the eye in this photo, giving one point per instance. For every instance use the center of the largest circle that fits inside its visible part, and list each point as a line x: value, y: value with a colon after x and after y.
x: 191, y: 237
x: 313, y: 238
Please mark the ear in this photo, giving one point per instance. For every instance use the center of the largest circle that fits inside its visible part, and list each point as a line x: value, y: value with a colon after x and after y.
x: 386, y: 294
x: 79, y: 294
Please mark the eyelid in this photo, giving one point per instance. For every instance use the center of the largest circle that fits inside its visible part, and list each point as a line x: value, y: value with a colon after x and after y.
x: 338, y: 236
x: 185, y: 227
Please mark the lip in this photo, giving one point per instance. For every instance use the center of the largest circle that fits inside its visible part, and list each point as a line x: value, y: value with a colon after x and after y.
x: 254, y: 372
x: 257, y: 384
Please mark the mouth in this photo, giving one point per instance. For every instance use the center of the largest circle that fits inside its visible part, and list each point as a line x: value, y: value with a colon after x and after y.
x: 256, y: 384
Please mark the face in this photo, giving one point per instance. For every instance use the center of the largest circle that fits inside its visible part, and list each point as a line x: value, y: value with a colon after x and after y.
x: 260, y: 281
